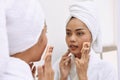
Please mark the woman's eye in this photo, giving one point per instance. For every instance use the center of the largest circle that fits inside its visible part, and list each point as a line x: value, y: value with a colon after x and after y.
x: 80, y: 33
x: 68, y: 33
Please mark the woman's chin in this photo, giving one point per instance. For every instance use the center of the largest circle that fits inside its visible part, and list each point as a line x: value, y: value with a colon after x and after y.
x: 76, y: 54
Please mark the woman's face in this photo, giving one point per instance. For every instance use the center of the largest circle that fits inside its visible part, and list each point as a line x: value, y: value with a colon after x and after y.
x: 42, y: 43
x: 77, y: 33
x: 35, y: 52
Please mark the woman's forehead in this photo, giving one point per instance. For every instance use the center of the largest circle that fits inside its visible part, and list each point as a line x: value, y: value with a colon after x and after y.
x: 74, y: 22
x: 76, y: 27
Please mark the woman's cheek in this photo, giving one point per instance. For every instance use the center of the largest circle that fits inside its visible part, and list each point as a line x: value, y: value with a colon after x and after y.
x: 85, y: 39
x: 81, y: 41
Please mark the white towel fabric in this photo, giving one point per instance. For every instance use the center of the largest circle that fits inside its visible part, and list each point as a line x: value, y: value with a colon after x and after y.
x: 3, y: 33
x: 86, y: 12
x: 17, y: 70
x: 25, y: 21
x: 97, y: 70
x: 4, y: 54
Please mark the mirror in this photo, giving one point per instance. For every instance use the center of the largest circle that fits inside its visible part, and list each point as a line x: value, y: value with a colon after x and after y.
x: 57, y: 13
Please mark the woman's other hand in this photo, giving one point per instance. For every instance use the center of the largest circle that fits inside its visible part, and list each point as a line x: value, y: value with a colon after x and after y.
x: 46, y: 72
x: 65, y: 66
x: 82, y: 64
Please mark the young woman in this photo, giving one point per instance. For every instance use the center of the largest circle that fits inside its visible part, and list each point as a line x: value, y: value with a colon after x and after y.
x: 83, y: 39
x: 26, y: 31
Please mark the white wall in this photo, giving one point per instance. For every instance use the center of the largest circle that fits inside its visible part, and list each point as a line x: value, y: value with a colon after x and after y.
x: 106, y: 9
x: 56, y: 14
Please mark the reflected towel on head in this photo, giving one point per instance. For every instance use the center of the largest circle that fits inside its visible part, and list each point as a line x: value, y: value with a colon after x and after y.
x: 25, y: 21
x: 86, y: 12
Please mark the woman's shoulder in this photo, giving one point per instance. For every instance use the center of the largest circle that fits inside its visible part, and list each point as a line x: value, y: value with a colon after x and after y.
x: 105, y: 68
x: 100, y: 64
x: 105, y: 64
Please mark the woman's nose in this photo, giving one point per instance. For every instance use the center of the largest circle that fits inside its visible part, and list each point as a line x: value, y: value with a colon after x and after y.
x: 73, y: 38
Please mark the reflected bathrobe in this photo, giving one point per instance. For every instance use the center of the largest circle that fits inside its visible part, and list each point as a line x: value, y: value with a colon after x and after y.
x: 97, y: 69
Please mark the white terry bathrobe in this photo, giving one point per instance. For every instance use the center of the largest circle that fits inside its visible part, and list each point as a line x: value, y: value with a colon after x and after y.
x: 97, y: 68
x: 4, y: 53
x: 24, y: 21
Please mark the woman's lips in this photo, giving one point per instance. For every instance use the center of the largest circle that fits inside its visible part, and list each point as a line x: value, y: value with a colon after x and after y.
x: 73, y: 47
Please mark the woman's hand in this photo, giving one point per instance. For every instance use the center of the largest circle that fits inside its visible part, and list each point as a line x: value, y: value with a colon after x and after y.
x: 65, y: 65
x: 82, y: 64
x: 46, y: 72
x: 33, y: 69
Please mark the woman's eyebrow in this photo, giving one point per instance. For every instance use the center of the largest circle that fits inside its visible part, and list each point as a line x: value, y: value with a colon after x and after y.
x: 79, y: 29
x: 68, y: 30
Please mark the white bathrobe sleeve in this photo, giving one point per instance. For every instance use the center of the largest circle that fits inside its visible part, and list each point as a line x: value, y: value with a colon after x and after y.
x: 4, y: 54
x: 107, y: 72
x: 3, y: 32
x: 17, y: 70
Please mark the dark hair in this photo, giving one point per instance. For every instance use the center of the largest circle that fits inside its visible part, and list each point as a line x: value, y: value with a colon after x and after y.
x: 69, y: 20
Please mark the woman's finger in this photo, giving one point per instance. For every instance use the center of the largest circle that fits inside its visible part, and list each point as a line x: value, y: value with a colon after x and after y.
x: 67, y: 61
x: 87, y: 58
x: 40, y: 73
x: 48, y: 57
x: 66, y: 54
x: 34, y: 71
x: 82, y: 54
x: 48, y: 51
x: 31, y: 65
x: 85, y: 50
x: 86, y: 45
x: 48, y: 61
x: 77, y: 62
x: 64, y: 58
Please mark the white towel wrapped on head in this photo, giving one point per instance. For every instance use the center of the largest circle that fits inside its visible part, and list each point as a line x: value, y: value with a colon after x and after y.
x: 86, y: 12
x: 25, y: 21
